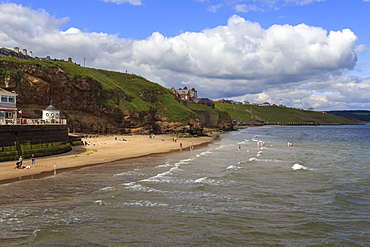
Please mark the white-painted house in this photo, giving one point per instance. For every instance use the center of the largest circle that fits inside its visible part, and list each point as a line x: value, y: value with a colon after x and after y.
x: 8, y: 106
x: 51, y: 114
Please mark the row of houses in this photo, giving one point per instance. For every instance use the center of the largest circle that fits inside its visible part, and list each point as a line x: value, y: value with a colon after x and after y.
x: 9, y: 114
x: 23, y: 54
x: 191, y: 95
x: 225, y: 101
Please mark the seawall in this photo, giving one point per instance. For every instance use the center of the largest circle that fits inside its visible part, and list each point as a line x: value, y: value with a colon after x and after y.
x: 25, y: 140
x: 209, y: 120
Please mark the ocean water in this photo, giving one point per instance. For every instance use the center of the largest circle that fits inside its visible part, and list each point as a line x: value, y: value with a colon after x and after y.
x: 313, y: 193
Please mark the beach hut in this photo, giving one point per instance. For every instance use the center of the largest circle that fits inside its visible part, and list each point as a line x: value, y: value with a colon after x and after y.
x: 51, y: 114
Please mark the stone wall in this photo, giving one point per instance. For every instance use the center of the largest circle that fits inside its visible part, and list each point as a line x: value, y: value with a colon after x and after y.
x: 25, y: 140
x: 209, y: 120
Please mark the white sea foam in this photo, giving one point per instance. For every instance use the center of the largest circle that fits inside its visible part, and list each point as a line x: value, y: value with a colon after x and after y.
x: 129, y: 173
x: 233, y: 167
x: 209, y: 181
x: 254, y: 138
x: 100, y: 203
x: 108, y: 189
x: 34, y: 233
x: 129, y: 184
x: 300, y: 167
x: 205, y: 153
x: 200, y: 180
x: 141, y: 188
x: 185, y: 161
x: 166, y: 164
x: 145, y: 204
x: 242, y: 142
x: 223, y: 147
x: 265, y: 160
x: 160, y: 177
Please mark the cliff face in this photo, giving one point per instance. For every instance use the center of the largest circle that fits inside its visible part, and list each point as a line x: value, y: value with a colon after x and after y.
x: 87, y: 104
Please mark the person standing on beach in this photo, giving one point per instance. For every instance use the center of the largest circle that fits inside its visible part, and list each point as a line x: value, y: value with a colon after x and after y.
x: 180, y: 146
x: 33, y: 160
x: 191, y: 145
x: 20, y: 161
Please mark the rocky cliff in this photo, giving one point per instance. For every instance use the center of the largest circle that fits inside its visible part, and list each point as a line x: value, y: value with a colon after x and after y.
x: 96, y: 101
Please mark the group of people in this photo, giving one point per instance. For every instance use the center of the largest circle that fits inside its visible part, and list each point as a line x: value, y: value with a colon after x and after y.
x: 261, y: 143
x: 19, y: 163
x: 191, y: 146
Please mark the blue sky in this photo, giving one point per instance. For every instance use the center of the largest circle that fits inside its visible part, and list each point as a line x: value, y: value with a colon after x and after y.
x: 299, y: 53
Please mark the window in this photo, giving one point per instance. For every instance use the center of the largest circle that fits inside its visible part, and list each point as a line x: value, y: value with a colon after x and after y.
x: 9, y: 115
x: 11, y: 99
x: 4, y: 99
x: 2, y: 114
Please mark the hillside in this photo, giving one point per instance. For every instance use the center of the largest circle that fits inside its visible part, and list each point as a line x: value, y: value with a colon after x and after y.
x: 358, y: 116
x: 100, y: 101
x: 96, y: 101
x: 274, y: 114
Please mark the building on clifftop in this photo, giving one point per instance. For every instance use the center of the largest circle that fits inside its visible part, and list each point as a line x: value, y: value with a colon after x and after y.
x: 16, y: 53
x: 186, y: 94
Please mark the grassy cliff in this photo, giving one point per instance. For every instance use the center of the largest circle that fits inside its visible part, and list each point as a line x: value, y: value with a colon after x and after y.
x: 135, y: 92
x: 101, y: 101
x: 95, y: 100
x: 245, y: 113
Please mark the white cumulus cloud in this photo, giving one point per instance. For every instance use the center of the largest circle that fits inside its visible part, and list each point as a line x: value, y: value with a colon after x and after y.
x: 291, y: 65
x: 132, y: 2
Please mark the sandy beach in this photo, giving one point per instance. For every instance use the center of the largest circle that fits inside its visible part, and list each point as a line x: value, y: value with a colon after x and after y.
x: 101, y: 149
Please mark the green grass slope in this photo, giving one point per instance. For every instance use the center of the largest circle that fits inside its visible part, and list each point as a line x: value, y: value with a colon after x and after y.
x: 142, y: 97
x: 245, y: 113
x: 122, y: 90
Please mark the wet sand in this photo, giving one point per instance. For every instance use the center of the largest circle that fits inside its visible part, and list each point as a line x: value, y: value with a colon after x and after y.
x: 101, y: 149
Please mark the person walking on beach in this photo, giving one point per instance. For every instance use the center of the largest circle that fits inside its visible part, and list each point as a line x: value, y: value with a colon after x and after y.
x: 191, y: 145
x: 180, y: 146
x: 33, y: 160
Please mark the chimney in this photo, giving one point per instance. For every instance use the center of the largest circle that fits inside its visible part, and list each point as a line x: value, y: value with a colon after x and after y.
x: 24, y: 52
x: 16, y: 49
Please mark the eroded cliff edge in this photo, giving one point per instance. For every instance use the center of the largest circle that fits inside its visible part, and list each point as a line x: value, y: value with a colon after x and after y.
x: 96, y: 101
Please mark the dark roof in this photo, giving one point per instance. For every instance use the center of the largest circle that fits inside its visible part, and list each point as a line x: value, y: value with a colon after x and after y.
x: 51, y: 108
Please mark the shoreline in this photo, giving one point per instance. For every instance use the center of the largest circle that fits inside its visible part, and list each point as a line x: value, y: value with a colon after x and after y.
x: 102, y: 149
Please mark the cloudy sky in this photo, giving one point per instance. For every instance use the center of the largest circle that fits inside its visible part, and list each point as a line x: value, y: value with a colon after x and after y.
x: 299, y: 53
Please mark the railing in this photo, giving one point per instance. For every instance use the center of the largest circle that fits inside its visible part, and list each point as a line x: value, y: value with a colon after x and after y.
x: 25, y: 121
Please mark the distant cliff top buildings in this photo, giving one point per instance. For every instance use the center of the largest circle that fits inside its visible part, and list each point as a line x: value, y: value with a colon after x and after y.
x: 17, y: 53
x: 191, y: 95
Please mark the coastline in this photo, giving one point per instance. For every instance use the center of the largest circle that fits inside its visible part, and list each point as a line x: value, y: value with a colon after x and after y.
x: 101, y: 149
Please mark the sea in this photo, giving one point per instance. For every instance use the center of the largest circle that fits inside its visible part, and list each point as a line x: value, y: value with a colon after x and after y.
x: 247, y: 188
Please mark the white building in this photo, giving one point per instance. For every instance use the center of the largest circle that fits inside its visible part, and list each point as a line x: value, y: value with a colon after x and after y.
x: 8, y: 106
x: 51, y: 114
